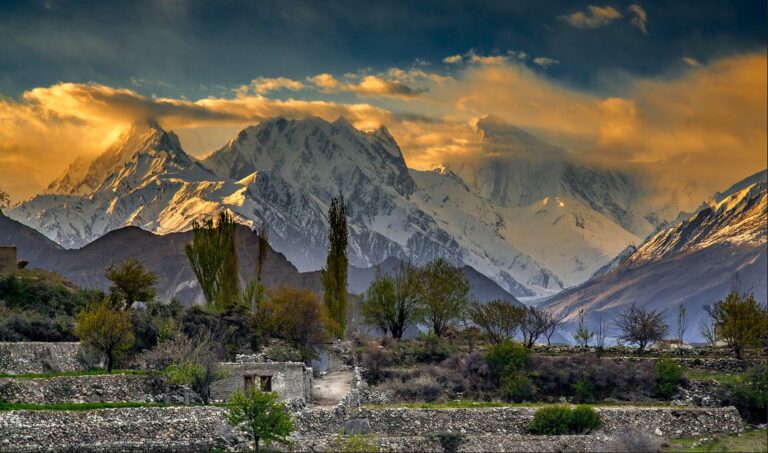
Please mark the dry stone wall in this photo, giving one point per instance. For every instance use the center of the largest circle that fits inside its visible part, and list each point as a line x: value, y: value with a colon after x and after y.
x: 204, y: 428
x: 399, y: 422
x: 34, y: 357
x: 80, y: 389
x: 170, y: 429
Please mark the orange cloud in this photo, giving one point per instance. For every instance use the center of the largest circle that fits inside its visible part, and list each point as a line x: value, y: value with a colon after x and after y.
x: 714, y: 115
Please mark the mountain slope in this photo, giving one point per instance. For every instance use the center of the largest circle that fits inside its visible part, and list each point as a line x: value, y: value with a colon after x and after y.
x: 692, y: 263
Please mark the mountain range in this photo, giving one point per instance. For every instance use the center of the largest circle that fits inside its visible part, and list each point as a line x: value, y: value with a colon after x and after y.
x: 530, y: 216
x: 525, y: 219
x: 692, y: 263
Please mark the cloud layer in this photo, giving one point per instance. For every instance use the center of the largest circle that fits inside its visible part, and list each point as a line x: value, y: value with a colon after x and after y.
x: 712, y: 116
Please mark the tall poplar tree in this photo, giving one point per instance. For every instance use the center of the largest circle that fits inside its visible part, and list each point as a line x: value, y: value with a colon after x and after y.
x: 213, y: 257
x: 334, y: 275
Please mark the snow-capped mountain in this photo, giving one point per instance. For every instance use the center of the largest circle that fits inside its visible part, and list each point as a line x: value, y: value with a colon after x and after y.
x: 692, y: 262
x: 281, y: 173
x: 527, y: 214
x: 520, y: 170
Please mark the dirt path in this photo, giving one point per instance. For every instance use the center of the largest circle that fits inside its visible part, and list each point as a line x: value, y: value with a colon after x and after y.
x: 328, y: 390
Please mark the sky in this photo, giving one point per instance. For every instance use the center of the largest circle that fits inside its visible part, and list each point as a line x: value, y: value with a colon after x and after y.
x: 615, y: 82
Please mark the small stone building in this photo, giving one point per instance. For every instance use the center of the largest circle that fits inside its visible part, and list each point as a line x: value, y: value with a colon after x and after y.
x: 291, y: 380
x: 8, y: 261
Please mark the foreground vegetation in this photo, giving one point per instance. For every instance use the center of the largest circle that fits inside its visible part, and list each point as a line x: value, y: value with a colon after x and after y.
x: 750, y: 441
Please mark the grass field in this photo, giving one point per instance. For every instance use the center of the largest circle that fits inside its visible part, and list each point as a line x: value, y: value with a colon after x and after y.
x: 751, y: 441
x: 458, y: 404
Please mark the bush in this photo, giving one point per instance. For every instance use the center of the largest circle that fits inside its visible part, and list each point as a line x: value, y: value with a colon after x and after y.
x: 551, y: 421
x: 558, y: 420
x: 433, y: 349
x: 450, y: 441
x: 518, y: 388
x: 750, y: 395
x: 584, y: 420
x: 373, y: 359
x: 506, y: 358
x: 558, y: 376
x: 583, y: 391
x: 669, y: 375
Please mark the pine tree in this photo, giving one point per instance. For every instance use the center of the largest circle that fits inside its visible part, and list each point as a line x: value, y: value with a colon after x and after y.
x: 334, y: 275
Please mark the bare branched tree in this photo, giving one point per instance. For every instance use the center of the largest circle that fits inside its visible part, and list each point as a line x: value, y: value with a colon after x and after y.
x: 641, y: 327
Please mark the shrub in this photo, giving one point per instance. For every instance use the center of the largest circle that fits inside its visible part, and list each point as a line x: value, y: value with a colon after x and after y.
x: 557, y: 420
x: 583, y: 391
x: 584, y: 419
x: 669, y: 375
x: 355, y: 443
x: 449, y: 441
x: 750, y: 395
x: 558, y: 376
x: 373, y: 359
x: 551, y: 421
x: 433, y: 349
x: 506, y: 358
x: 518, y: 388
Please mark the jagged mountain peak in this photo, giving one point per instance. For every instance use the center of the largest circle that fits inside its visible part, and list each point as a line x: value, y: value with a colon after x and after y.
x: 317, y: 154
x: 142, y: 138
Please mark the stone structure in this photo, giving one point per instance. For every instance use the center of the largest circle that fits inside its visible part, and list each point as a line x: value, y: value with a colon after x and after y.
x: 8, y: 261
x: 81, y: 389
x: 34, y: 357
x: 671, y: 422
x: 198, y: 428
x: 291, y: 380
x: 167, y: 429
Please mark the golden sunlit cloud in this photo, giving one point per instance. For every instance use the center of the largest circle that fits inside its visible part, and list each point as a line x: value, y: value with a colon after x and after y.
x: 714, y: 114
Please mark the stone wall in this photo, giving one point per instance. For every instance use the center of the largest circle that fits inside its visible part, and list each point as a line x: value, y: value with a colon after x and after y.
x: 291, y: 380
x: 33, y: 357
x: 80, y: 389
x: 670, y: 422
x: 203, y: 428
x: 107, y: 430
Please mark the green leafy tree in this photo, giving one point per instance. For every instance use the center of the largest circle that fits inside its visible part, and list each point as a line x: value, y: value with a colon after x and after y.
x: 499, y: 319
x: 334, y: 275
x: 444, y: 294
x: 131, y: 282
x: 213, y: 257
x: 641, y: 327
x: 740, y: 321
x: 106, y: 329
x: 392, y: 301
x: 260, y: 413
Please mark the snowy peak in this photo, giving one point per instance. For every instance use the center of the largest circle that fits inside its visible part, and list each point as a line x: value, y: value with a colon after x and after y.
x: 319, y: 155
x: 733, y: 217
x: 144, y: 150
x: 499, y: 136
